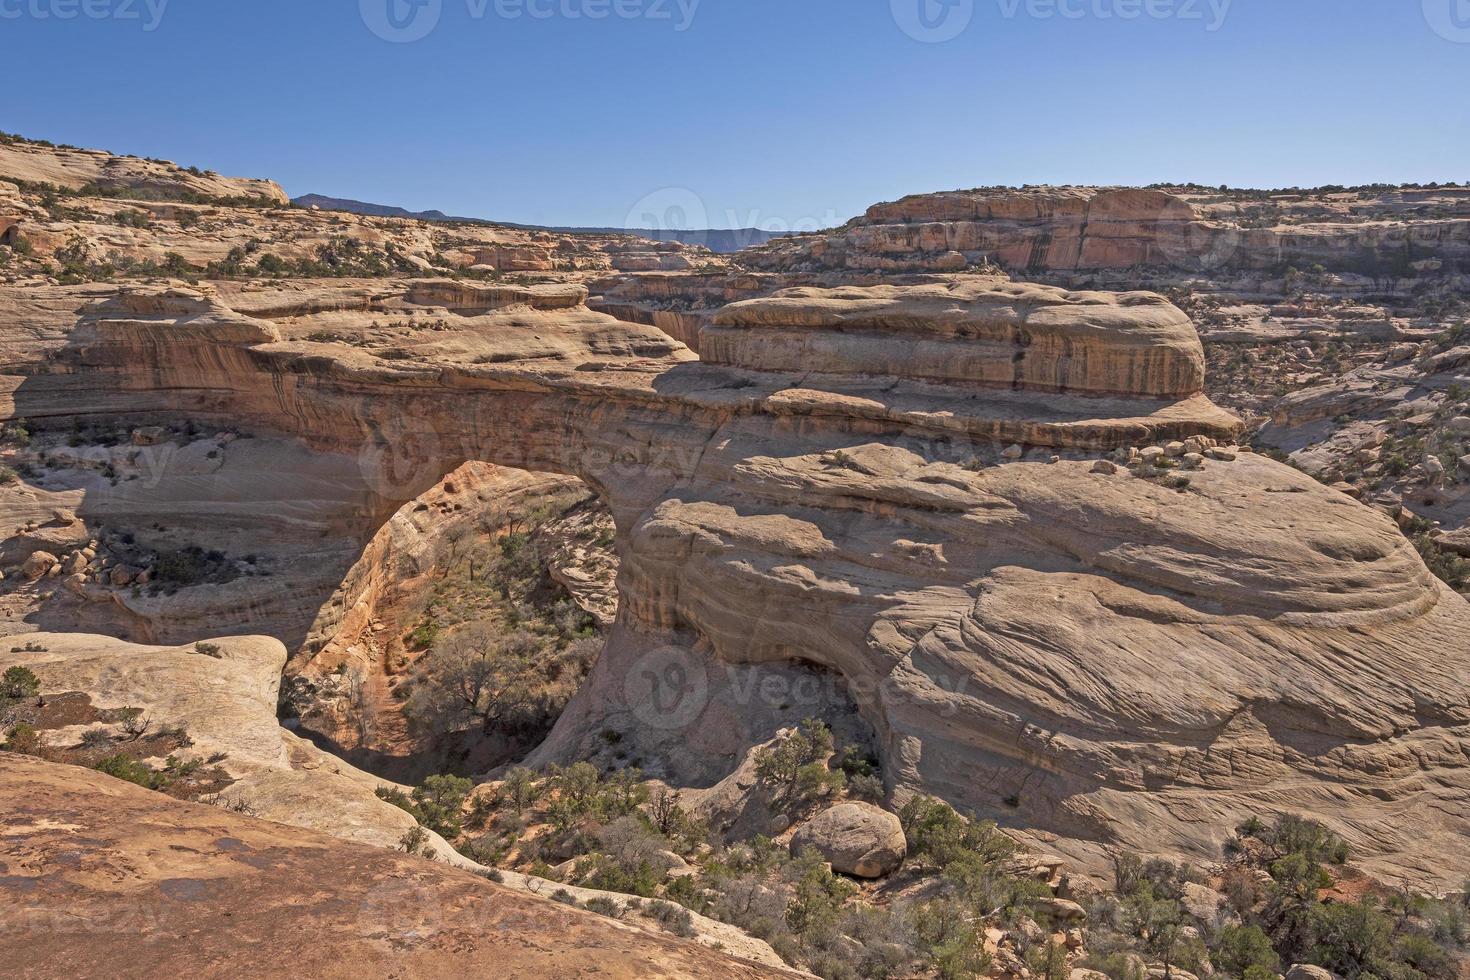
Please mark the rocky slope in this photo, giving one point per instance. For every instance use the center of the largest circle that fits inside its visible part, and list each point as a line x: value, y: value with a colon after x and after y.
x: 198, y: 723
x: 1089, y: 653
x: 222, y: 695
x: 97, y: 170
x: 87, y: 214
x: 108, y: 878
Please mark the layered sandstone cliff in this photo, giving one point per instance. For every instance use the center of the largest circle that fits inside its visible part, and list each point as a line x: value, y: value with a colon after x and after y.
x: 1071, y: 229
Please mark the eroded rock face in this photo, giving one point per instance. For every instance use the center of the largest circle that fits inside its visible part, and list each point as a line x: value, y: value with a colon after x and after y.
x: 1098, y: 658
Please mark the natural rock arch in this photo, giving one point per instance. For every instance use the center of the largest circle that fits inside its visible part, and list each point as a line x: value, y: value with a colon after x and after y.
x: 1078, y: 653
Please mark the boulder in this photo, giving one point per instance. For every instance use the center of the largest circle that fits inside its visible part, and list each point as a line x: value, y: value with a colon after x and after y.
x: 150, y: 435
x: 1304, y: 971
x: 1062, y: 911
x: 122, y: 575
x: 1201, y: 902
x: 1198, y: 444
x: 1457, y: 541
x: 858, y: 839
x: 38, y: 566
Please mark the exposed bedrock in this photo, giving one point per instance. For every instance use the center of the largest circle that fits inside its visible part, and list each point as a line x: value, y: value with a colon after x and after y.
x: 1095, y: 658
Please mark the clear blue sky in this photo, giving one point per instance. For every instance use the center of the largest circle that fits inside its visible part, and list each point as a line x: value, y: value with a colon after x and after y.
x: 764, y: 111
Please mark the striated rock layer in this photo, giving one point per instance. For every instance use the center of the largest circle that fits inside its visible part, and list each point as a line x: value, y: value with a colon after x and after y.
x: 980, y: 332
x: 1067, y: 229
x: 1092, y: 657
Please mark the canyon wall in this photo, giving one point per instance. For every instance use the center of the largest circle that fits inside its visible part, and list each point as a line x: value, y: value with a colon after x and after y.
x: 1071, y: 229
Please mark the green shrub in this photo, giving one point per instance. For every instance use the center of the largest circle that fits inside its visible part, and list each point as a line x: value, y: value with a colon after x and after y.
x: 793, y: 766
x: 130, y: 770
x: 673, y: 918
x: 1353, y: 938
x: 604, y: 873
x: 440, y: 802
x: 521, y: 789
x: 939, y: 836
x: 437, y: 804
x: 415, y: 841
x: 603, y: 905
x: 188, y: 566
x: 687, y: 893
x: 271, y: 265
x: 869, y: 788
x: 950, y: 938
x: 1239, y: 950
x: 19, y: 683
x: 819, y: 896
x: 24, y: 740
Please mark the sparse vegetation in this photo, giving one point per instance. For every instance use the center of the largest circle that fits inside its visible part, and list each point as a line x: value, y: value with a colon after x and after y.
x: 506, y: 648
x: 795, y: 768
x: 18, y: 683
x: 437, y: 804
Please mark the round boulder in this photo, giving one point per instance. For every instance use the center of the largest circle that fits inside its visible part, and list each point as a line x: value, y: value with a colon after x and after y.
x: 38, y: 565
x: 858, y: 839
x: 1304, y: 971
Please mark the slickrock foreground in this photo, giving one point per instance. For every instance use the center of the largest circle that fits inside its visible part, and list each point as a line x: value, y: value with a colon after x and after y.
x: 105, y: 878
x: 1090, y: 654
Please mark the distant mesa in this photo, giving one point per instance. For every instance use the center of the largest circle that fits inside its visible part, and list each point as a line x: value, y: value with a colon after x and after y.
x: 724, y: 241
